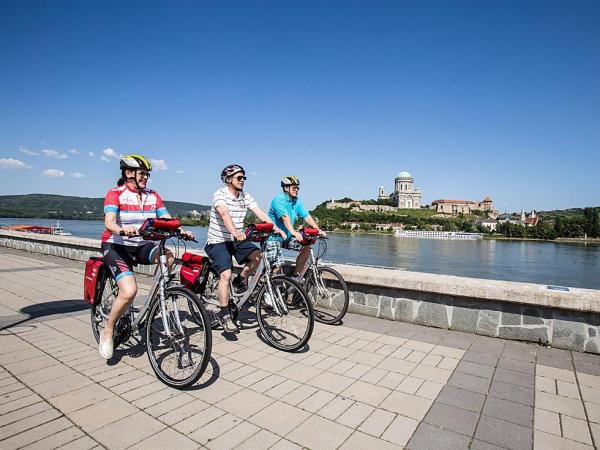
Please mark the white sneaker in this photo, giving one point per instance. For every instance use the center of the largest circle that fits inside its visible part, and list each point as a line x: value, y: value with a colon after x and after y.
x: 105, y: 346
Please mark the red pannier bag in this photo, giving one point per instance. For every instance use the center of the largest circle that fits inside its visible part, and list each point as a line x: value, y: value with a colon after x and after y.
x: 90, y: 278
x: 310, y: 235
x: 190, y: 270
x: 258, y: 232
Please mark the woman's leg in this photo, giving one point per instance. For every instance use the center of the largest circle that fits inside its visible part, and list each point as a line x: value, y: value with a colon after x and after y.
x: 127, y: 291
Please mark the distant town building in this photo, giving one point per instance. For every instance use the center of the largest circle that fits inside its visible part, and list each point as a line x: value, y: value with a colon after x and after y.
x: 454, y: 207
x: 527, y: 220
x: 405, y: 195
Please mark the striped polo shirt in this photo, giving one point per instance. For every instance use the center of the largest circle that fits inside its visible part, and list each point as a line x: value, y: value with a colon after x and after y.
x: 124, y: 203
x: 237, y: 207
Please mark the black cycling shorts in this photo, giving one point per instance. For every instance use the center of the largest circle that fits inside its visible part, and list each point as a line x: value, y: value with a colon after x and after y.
x: 120, y: 259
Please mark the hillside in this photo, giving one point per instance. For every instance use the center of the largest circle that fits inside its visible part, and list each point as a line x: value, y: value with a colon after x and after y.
x: 48, y: 206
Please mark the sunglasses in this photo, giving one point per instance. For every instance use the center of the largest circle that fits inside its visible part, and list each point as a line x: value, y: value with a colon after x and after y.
x: 241, y: 177
x: 295, y: 188
x: 143, y: 174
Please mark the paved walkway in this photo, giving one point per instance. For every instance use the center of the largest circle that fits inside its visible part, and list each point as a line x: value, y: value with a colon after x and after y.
x: 367, y: 384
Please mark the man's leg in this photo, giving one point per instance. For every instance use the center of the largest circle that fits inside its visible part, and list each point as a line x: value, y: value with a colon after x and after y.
x: 223, y: 288
x: 252, y: 264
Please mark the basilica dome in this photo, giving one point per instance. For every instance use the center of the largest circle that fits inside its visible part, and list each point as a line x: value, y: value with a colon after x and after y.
x: 404, y: 174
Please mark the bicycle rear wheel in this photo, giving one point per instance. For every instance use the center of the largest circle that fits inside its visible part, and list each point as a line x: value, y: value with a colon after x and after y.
x: 329, y: 294
x: 180, y: 359
x: 291, y: 328
x: 107, y: 292
x: 210, y: 299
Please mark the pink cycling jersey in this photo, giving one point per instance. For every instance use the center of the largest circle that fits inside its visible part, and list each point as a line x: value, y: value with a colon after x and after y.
x: 124, y: 202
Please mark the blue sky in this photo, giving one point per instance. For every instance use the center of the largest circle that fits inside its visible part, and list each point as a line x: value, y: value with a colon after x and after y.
x: 474, y: 98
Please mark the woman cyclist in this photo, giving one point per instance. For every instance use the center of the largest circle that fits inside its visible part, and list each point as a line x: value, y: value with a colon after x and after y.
x: 125, y: 209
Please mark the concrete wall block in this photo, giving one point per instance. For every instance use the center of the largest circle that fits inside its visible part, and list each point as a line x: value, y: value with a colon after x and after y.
x: 488, y: 322
x: 372, y: 300
x: 511, y: 314
x: 432, y: 314
x: 464, y: 319
x: 405, y: 310
x: 537, y: 334
x: 362, y: 309
x: 569, y: 332
x: 592, y: 346
x: 359, y: 298
x: 385, y: 308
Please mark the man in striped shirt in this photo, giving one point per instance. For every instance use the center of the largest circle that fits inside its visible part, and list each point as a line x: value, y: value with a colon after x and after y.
x: 226, y: 237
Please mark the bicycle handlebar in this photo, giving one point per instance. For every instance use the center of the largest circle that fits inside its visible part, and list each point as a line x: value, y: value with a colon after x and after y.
x: 165, y: 235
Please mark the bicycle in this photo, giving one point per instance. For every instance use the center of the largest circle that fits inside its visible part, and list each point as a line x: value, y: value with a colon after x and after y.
x: 283, y: 310
x: 325, y: 286
x: 178, y: 339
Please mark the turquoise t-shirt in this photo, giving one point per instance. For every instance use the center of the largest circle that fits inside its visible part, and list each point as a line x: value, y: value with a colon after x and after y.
x: 284, y: 205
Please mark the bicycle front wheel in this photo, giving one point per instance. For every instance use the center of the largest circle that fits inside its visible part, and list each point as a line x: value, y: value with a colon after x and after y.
x: 286, y: 318
x: 180, y: 355
x: 329, y: 294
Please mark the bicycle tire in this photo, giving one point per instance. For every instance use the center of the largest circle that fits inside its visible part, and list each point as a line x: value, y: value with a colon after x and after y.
x: 337, y: 306
x: 298, y: 303
x: 105, y: 279
x: 154, y: 339
x: 210, y: 299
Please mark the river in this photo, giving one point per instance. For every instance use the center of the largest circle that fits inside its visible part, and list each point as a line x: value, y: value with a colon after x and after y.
x: 573, y: 265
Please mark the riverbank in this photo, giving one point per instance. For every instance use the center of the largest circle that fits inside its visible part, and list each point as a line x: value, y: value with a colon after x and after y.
x: 561, y: 240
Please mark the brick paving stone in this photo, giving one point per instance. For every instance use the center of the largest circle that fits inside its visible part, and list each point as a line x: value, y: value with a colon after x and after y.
x: 567, y: 389
x: 559, y: 363
x: 102, y: 413
x: 575, y: 429
x: 429, y: 390
x: 28, y: 423
x: 545, y: 441
x: 407, y: 405
x: 138, y: 426
x: 428, y: 437
x: 23, y: 413
x: 366, y: 393
x: 46, y: 374
x: 56, y: 440
x: 360, y: 441
x: 397, y: 365
x: 374, y: 375
x: 317, y: 401
x: 563, y: 405
x: 410, y: 385
x: 35, y: 434
x: 216, y: 392
x: 261, y: 440
x: 355, y: 415
x: 546, y: 421
x: 320, y: 433
x: 279, y: 418
x: 434, y: 374
x: 503, y: 434
x: 480, y: 445
x: 196, y: 419
x: 590, y: 369
x: 514, y: 377
x: 552, y: 372
x: 19, y: 403
x: 245, y: 403
x: 299, y: 394
x: 80, y: 398
x: 588, y: 380
x: 377, y: 422
x: 300, y: 372
x: 283, y: 389
x: 170, y: 404
x: 545, y: 384
x: 589, y: 394
x: 167, y: 438
x: 15, y: 395
x: 391, y: 380
x: 511, y: 392
x: 284, y: 444
x: 448, y: 363
x: 188, y: 410
x: 452, y: 418
x: 331, y: 382
x: 335, y: 408
x: 481, y: 358
x: 216, y: 428
x: 469, y: 382
x: 479, y: 370
x: 509, y: 411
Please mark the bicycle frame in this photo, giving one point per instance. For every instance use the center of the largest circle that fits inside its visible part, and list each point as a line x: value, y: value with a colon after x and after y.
x: 263, y: 270
x: 160, y: 281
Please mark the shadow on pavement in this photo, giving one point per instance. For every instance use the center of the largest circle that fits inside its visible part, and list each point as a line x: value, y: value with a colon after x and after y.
x: 42, y: 311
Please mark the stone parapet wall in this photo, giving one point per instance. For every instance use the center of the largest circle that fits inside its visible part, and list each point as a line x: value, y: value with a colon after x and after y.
x: 503, y: 309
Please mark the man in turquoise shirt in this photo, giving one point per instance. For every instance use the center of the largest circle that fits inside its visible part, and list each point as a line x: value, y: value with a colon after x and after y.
x: 285, y: 210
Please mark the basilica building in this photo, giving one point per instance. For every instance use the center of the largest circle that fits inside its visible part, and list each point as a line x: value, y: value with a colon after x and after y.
x: 405, y: 194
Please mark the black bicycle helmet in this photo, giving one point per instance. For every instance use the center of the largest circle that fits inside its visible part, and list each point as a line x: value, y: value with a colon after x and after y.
x: 290, y: 180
